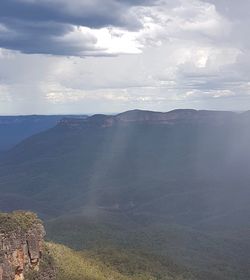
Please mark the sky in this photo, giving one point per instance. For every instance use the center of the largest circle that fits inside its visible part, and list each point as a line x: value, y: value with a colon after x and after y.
x: 106, y: 56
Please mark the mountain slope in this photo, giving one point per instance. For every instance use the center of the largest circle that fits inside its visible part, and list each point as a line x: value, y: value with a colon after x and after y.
x: 14, y: 129
x: 190, y: 167
x: 207, y: 255
x: 113, y: 264
x: 174, y: 184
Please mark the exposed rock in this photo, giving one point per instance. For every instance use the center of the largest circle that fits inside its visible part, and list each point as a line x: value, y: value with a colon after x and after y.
x: 21, y: 245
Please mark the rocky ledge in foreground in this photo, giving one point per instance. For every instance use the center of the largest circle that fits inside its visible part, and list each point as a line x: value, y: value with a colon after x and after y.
x: 21, y: 246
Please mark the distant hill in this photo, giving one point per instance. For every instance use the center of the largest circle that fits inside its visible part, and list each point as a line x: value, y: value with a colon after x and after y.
x: 174, y: 184
x: 186, y: 166
x: 13, y: 129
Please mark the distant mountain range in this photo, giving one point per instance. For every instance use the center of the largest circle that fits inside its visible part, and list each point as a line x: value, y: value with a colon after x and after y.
x: 182, y: 116
x: 175, y: 183
x: 13, y: 129
x: 138, y: 162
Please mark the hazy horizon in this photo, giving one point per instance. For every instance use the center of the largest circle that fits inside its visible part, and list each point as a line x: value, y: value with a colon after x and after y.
x: 115, y: 113
x: 124, y: 140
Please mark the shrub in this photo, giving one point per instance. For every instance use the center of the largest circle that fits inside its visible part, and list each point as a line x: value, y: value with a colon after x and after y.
x: 17, y: 220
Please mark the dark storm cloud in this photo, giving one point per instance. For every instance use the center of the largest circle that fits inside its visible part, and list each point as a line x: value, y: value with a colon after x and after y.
x: 77, y: 13
x: 42, y: 37
x: 33, y: 26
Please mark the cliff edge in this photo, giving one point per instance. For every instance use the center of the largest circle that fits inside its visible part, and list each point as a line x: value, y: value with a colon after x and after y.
x: 21, y: 245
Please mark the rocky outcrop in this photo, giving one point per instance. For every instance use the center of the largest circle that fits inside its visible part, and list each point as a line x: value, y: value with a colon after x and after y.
x: 21, y: 245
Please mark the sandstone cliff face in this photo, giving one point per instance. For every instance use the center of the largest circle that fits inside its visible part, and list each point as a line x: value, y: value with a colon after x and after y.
x: 21, y: 245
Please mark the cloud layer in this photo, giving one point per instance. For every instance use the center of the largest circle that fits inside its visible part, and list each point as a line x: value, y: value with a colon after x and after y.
x: 86, y: 56
x: 54, y: 27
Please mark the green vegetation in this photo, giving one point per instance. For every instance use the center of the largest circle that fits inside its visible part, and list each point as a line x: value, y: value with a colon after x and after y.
x: 157, y: 250
x: 175, y: 192
x: 137, y: 264
x: 75, y: 266
x: 112, y: 264
x: 17, y: 220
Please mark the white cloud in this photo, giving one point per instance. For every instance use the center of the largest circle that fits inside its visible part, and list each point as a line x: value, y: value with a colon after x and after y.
x: 4, y: 94
x: 184, y: 55
x: 193, y: 20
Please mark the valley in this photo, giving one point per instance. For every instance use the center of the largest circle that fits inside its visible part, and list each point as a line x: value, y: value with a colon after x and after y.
x: 156, y: 188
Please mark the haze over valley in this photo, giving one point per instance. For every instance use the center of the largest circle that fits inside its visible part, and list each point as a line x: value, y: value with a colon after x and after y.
x: 124, y: 140
x: 171, y: 184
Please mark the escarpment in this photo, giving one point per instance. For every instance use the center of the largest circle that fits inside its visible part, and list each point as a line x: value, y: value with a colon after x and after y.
x: 21, y: 245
